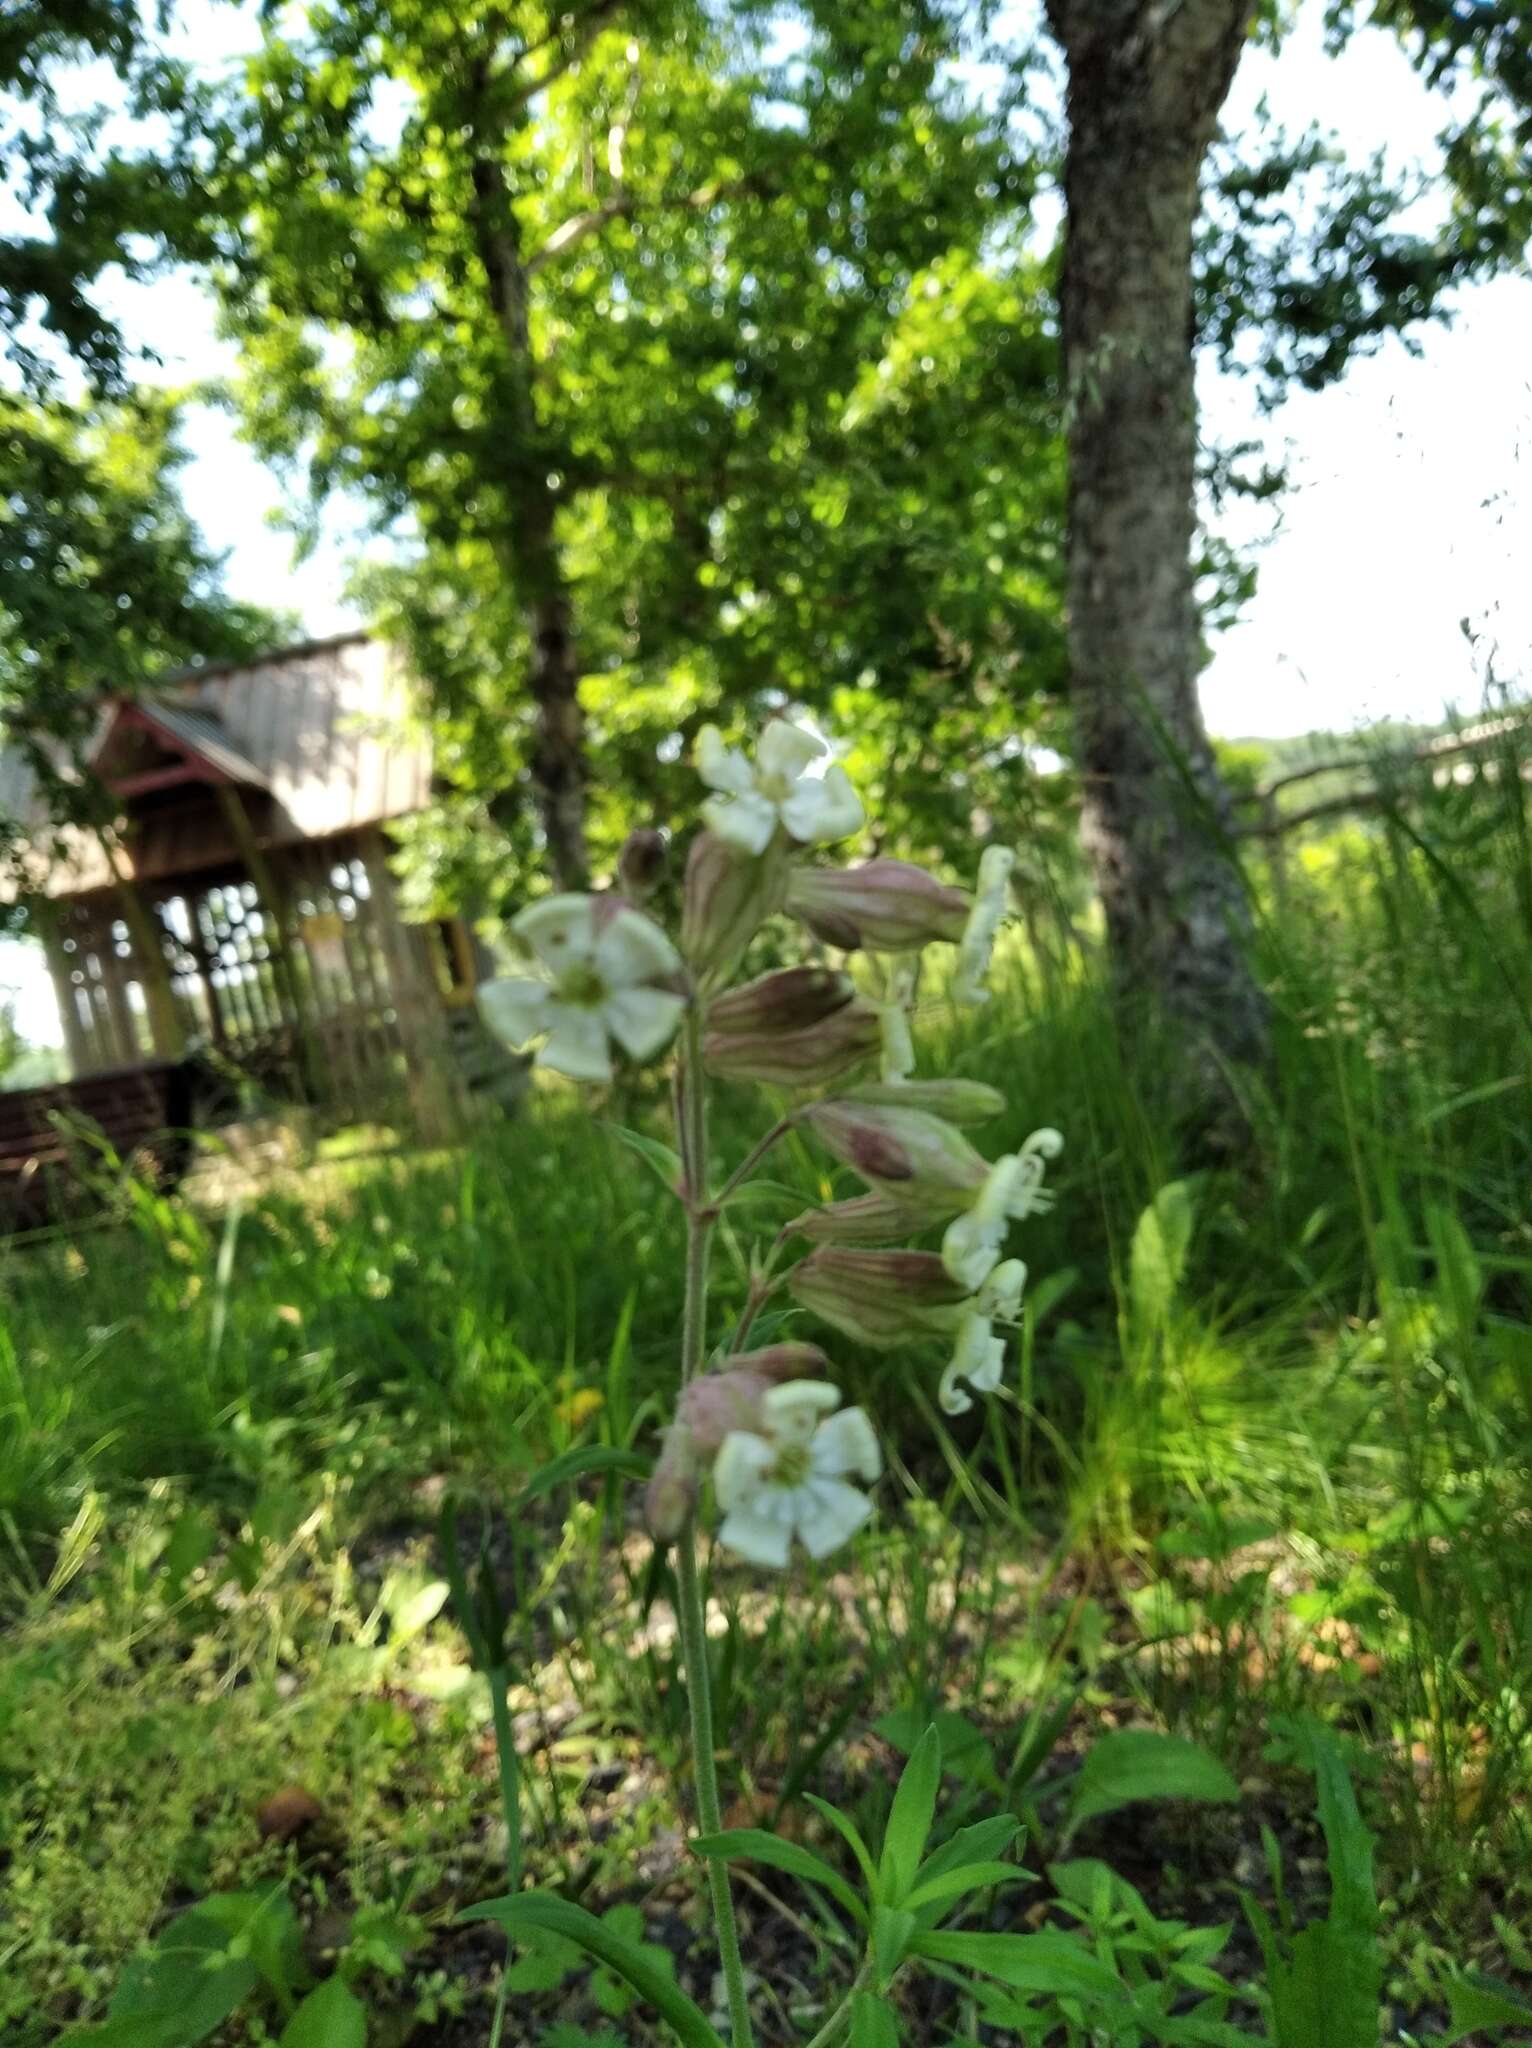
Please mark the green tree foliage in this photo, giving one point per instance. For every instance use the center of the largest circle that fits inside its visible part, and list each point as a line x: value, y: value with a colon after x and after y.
x: 662, y: 342
x: 105, y: 584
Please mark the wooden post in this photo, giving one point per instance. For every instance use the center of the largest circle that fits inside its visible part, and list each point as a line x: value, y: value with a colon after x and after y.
x: 144, y: 932
x: 432, y: 1071
x: 42, y: 914
x: 274, y: 910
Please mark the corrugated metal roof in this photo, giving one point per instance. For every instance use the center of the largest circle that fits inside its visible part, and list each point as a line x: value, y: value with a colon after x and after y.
x: 203, y: 734
x: 326, y: 728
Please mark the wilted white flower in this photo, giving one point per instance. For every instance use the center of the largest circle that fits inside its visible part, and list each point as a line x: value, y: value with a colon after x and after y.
x: 1013, y: 1190
x: 979, y: 1355
x: 754, y: 799
x: 600, y: 972
x: 790, y: 1479
x: 977, y: 946
x: 894, y: 1019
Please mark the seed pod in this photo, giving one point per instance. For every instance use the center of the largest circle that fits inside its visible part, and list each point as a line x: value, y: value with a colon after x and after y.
x: 889, y: 906
x: 728, y: 897
x: 919, y: 1160
x: 879, y: 1298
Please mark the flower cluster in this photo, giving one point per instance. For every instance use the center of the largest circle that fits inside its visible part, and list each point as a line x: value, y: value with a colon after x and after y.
x: 767, y: 1427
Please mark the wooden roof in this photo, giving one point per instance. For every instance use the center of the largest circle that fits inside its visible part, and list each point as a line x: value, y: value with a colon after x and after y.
x: 319, y: 735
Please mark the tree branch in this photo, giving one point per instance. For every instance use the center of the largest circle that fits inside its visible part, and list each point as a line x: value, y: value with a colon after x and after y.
x: 623, y: 205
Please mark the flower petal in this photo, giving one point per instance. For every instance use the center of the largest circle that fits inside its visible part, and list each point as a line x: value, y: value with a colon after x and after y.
x: 979, y: 1358
x: 818, y: 812
x: 558, y: 929
x: 577, y: 1044
x: 747, y: 822
x: 632, y: 948
x: 793, y: 1411
x: 1000, y: 1296
x: 642, y: 1020
x: 739, y: 1470
x: 829, y: 1513
x: 846, y: 1442
x: 513, y: 1008
x: 722, y: 767
x: 757, y: 1537
x: 971, y: 1246
x: 787, y: 749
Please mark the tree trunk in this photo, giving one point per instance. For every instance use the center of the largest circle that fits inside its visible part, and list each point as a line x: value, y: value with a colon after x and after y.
x: 557, y: 760
x: 1145, y: 85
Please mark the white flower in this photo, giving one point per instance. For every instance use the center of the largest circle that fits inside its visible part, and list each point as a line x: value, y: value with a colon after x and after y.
x: 979, y: 1355
x: 753, y: 800
x: 976, y: 947
x: 600, y: 973
x: 790, y: 1481
x: 1013, y: 1190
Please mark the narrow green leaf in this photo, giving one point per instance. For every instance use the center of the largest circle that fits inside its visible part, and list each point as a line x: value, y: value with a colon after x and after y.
x: 1047, y: 1965
x: 1138, y: 1763
x: 1480, y: 2004
x: 851, y: 1835
x: 952, y: 1884
x: 892, y: 1928
x: 331, y: 2017
x: 872, y: 2022
x: 755, y: 1845
x: 541, y: 1912
x: 577, y: 1464
x: 909, y: 1823
x: 660, y: 1160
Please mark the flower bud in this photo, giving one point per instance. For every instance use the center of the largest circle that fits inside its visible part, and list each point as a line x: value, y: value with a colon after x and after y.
x: 728, y: 897
x: 673, y: 1486
x: 781, y: 1002
x: 916, y: 1158
x: 806, y: 1058
x: 866, y: 1219
x: 879, y: 1298
x: 888, y: 906
x: 641, y: 863
x: 955, y: 1100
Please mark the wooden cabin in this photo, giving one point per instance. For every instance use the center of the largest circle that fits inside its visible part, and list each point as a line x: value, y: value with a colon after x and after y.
x: 242, y: 910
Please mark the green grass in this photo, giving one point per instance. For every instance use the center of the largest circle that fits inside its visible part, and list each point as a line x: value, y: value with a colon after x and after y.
x: 1268, y: 1451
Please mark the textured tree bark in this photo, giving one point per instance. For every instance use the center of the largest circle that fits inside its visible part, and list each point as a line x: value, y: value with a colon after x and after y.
x: 1145, y: 85
x: 557, y: 761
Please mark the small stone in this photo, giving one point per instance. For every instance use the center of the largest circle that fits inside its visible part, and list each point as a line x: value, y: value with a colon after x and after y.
x: 287, y: 1813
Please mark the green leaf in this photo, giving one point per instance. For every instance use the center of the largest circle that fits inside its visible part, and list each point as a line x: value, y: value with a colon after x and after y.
x: 1157, y: 1260
x: 755, y: 1845
x: 892, y: 1928
x: 546, y: 1962
x: 966, y: 1754
x: 263, y: 1926
x: 331, y: 2017
x: 1046, y: 1965
x: 186, y: 1986
x: 1139, y: 1763
x: 951, y: 1884
x: 541, y: 1913
x: 577, y: 1464
x: 909, y: 1822
x: 872, y: 2022
x: 851, y: 1835
x: 660, y: 1159
x: 1481, y: 2004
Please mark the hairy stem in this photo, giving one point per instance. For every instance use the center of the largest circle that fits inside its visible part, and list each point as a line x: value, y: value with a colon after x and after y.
x: 691, y: 1615
x: 699, y: 1690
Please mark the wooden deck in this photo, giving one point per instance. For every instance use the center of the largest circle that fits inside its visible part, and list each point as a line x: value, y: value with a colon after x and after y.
x: 142, y: 1110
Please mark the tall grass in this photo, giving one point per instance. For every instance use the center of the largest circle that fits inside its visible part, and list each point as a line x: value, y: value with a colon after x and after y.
x: 1281, y: 1417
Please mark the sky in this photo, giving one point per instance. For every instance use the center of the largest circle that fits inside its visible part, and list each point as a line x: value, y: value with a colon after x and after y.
x: 1394, y: 577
